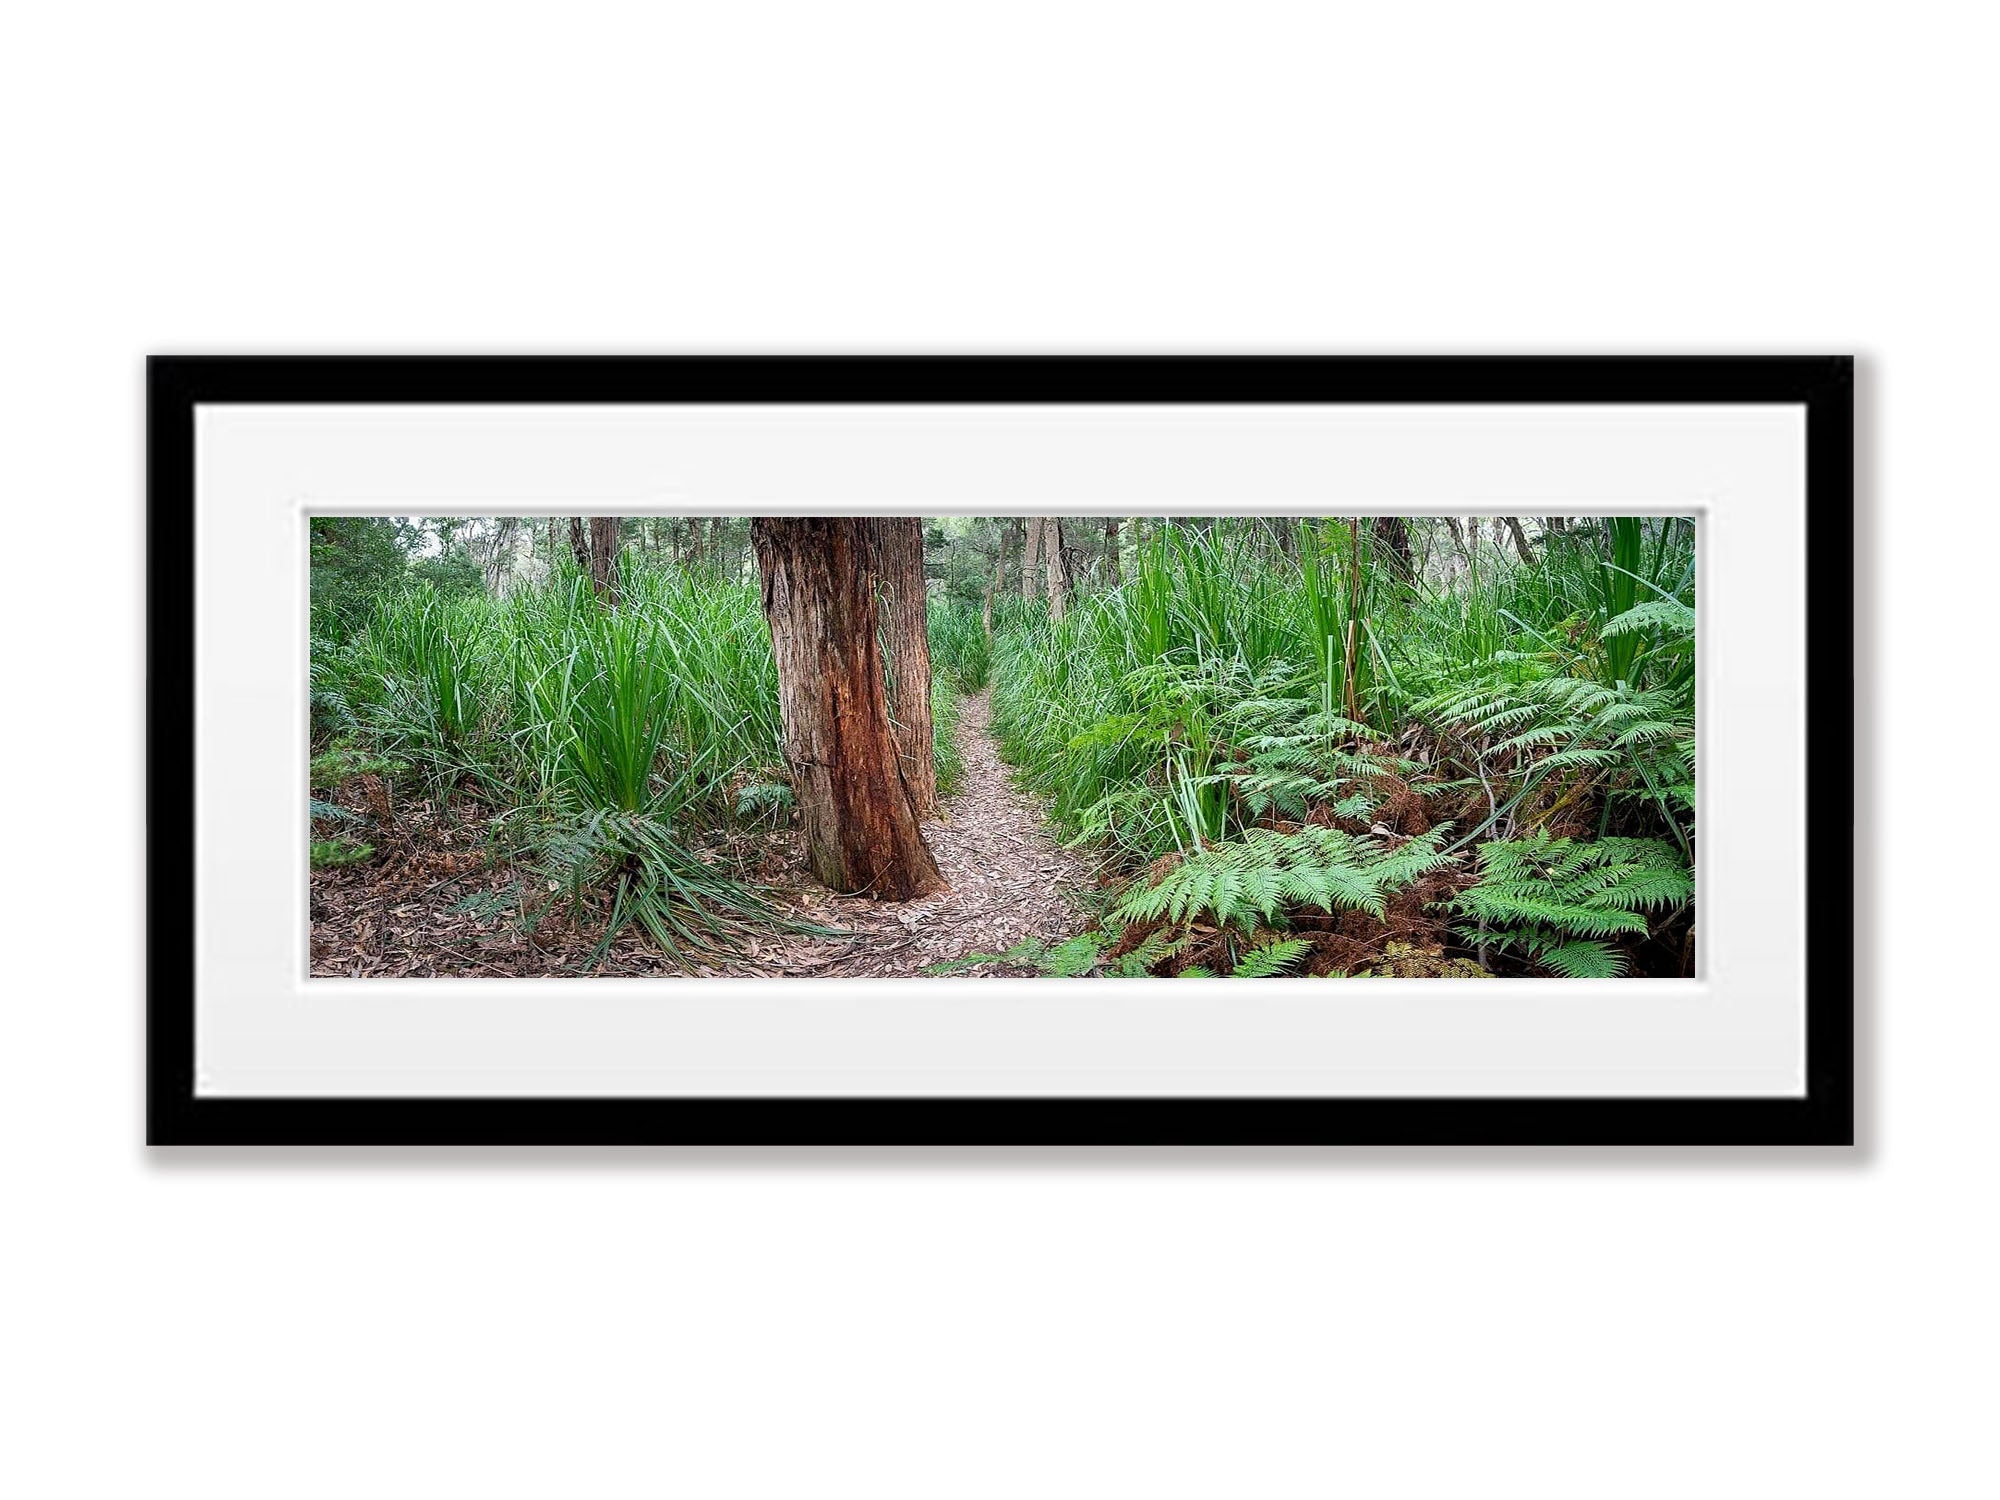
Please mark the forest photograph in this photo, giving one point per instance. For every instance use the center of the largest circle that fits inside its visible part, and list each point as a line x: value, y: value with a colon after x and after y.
x: 1077, y: 746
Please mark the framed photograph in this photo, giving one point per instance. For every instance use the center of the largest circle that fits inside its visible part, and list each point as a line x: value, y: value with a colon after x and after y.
x: 1024, y: 751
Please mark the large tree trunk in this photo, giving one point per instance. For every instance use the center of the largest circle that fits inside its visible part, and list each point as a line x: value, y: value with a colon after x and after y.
x: 1052, y: 546
x: 1111, y: 544
x: 1031, y: 551
x: 1520, y: 539
x: 819, y: 596
x: 899, y: 575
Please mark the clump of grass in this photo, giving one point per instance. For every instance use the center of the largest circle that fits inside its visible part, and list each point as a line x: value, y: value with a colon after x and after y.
x: 960, y: 649
x: 432, y: 661
x: 621, y: 869
x: 947, y: 758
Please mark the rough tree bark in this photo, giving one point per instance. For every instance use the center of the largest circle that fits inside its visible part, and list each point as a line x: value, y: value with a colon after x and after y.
x: 1052, y: 546
x: 604, y: 558
x: 1031, y: 550
x: 1395, y: 536
x: 899, y: 576
x: 819, y: 597
x: 1111, y: 545
x: 1520, y: 539
x: 596, y: 549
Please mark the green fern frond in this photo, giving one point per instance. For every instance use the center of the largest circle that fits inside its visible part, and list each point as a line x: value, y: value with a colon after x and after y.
x: 1669, y: 616
x: 1557, y: 900
x: 1246, y: 880
x: 1271, y: 959
x: 1584, y: 960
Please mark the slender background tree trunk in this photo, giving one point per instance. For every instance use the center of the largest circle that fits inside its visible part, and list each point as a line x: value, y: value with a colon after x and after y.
x: 1052, y: 545
x: 604, y: 558
x: 819, y: 596
x: 1111, y: 543
x: 1395, y: 538
x: 1458, y: 541
x: 595, y: 542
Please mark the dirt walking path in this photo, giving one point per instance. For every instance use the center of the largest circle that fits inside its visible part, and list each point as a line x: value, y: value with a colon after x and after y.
x: 1008, y: 880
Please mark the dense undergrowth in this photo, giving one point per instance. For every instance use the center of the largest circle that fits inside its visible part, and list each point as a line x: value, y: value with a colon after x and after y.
x: 591, y: 743
x: 1333, y: 768
x: 1310, y: 759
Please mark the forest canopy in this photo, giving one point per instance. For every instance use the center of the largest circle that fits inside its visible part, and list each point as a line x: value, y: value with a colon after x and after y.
x: 1442, y: 746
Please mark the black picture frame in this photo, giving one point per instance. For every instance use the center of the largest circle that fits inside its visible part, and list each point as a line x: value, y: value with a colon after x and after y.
x: 1823, y: 1115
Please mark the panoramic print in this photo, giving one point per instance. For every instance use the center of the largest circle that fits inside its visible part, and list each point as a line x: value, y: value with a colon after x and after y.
x: 1070, y: 746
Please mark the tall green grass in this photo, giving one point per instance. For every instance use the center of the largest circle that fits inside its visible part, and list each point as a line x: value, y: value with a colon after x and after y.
x: 1222, y: 688
x: 601, y: 738
x: 1126, y: 714
x: 659, y: 706
x: 960, y: 649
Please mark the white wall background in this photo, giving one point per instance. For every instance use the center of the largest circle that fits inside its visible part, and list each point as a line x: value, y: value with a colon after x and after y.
x: 1528, y: 177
